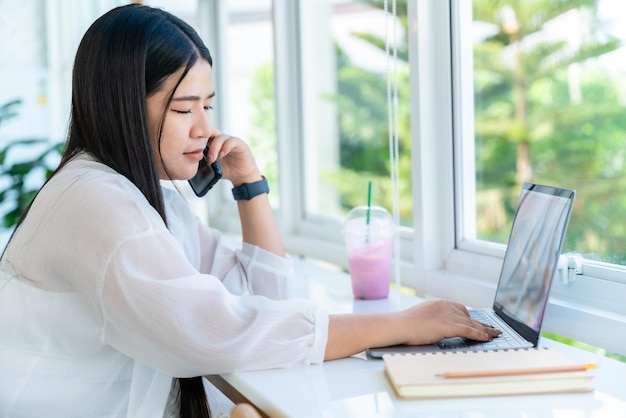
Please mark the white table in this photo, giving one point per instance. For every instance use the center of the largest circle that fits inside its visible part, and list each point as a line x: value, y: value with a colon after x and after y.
x: 356, y: 386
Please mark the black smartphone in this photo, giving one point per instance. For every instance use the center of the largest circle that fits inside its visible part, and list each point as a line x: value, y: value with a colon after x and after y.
x: 206, y: 177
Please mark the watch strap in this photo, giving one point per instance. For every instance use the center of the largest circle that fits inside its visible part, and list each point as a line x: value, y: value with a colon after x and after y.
x: 247, y: 191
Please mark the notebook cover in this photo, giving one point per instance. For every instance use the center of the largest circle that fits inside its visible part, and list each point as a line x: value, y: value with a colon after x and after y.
x: 417, y: 375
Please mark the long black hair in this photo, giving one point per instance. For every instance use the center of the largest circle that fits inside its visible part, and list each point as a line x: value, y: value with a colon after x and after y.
x: 125, y: 56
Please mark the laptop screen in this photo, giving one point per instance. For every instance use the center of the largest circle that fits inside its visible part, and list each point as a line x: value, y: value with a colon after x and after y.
x: 532, y: 255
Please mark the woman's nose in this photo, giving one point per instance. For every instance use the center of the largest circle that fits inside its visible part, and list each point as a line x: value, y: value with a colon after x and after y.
x: 202, y: 124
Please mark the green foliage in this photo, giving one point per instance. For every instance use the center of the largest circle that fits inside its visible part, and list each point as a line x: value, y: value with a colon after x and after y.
x: 21, y: 179
x: 574, y: 142
x: 515, y: 79
x: 361, y: 101
x: 583, y: 346
x: 262, y: 136
x: 364, y: 139
x: 8, y: 110
x: 364, y: 129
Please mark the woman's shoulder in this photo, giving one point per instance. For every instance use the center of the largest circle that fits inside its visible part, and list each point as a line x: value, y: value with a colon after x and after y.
x: 85, y: 176
x: 86, y: 186
x: 83, y: 170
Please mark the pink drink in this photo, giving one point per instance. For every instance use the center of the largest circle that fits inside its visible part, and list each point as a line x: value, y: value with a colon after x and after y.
x: 370, y: 270
x: 368, y: 232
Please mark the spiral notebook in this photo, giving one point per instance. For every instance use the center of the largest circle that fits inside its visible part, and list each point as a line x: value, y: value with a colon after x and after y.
x: 481, y: 373
x: 531, y: 258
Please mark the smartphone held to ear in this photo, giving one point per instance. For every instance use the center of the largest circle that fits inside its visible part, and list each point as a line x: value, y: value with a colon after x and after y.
x: 206, y: 177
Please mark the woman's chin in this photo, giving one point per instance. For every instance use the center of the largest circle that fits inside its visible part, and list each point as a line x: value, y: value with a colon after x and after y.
x: 182, y: 177
x: 187, y: 174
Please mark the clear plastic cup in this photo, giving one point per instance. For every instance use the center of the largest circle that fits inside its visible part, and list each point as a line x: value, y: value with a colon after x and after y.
x: 369, y: 242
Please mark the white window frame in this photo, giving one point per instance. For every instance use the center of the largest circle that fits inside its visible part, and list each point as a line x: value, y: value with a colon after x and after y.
x: 440, y: 257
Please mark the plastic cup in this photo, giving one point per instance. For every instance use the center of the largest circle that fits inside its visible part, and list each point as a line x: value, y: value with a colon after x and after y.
x: 370, y: 250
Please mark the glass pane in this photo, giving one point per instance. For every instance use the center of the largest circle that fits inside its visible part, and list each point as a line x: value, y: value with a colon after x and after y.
x: 346, y: 132
x: 549, y: 107
x: 250, y: 103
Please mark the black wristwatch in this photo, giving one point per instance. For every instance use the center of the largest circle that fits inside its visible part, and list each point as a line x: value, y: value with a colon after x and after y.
x: 248, y: 190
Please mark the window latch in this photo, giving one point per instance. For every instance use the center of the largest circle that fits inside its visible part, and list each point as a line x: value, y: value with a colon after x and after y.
x: 570, y: 265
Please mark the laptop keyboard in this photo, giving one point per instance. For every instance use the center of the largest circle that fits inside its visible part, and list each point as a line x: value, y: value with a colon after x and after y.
x: 504, y: 340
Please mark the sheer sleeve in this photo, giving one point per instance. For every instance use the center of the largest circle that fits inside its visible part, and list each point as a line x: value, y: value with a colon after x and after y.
x: 183, y: 301
x: 250, y: 270
x: 160, y: 310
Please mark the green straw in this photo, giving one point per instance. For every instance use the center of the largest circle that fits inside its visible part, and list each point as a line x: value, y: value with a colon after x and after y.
x: 369, y: 200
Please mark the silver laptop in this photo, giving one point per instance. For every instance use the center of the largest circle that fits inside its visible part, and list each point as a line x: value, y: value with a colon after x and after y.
x: 530, y: 261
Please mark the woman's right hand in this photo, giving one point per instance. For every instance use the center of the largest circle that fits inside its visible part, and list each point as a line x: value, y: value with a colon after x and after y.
x: 433, y: 321
x: 425, y: 323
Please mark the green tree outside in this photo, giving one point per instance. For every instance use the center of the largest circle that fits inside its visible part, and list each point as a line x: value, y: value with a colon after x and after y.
x: 534, y: 124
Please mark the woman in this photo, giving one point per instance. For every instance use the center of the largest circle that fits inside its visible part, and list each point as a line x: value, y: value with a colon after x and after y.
x: 114, y: 297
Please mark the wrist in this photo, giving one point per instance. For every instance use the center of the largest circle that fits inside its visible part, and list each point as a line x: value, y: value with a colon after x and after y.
x: 250, y: 178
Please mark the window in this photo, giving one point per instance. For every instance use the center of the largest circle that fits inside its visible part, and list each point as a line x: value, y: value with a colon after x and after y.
x: 330, y: 113
x: 346, y: 134
x: 548, y: 107
x: 242, y: 45
x: 447, y: 248
x: 535, y: 101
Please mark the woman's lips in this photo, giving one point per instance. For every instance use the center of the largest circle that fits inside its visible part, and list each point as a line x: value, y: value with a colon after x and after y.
x: 196, y: 155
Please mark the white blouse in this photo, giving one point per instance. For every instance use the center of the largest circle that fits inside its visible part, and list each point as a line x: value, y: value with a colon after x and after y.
x: 101, y: 305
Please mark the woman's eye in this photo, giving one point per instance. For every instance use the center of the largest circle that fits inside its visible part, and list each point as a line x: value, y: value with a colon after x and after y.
x: 208, y: 107
x: 182, y: 112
